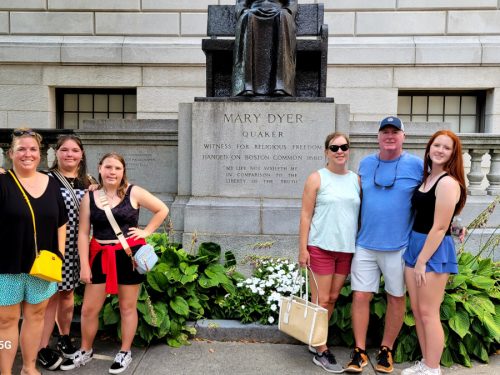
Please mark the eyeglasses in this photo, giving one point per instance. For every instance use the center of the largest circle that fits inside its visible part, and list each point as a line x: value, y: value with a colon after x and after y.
x: 335, y: 148
x: 393, y: 180
x: 19, y: 133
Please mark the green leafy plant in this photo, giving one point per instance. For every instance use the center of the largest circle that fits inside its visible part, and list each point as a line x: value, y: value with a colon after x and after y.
x: 470, y: 312
x: 181, y: 287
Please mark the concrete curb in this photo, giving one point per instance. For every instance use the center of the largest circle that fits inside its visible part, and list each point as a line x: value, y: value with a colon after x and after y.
x: 234, y: 330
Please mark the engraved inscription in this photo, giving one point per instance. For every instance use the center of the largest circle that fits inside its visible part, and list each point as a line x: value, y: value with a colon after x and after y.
x: 268, y: 152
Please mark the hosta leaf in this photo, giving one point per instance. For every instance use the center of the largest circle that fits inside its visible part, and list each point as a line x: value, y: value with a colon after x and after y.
x: 217, y: 272
x: 482, y: 282
x: 446, y: 358
x: 194, y: 303
x: 484, y: 302
x: 448, y: 307
x: 173, y: 343
x: 230, y: 259
x: 206, y: 282
x: 460, y: 322
x: 180, y: 306
x: 188, y: 278
x: 476, y: 347
x: 494, y: 293
x: 379, y: 308
x: 210, y: 249
x: 110, y: 315
x: 409, y: 319
x: 492, y: 326
x: 164, y: 326
x: 465, y: 258
x: 478, y: 327
x: 462, y: 351
x: 145, y: 332
x: 485, y: 267
x: 456, y: 280
x: 346, y: 290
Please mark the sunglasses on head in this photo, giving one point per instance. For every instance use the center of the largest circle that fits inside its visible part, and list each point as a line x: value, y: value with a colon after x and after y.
x: 335, y: 148
x: 19, y: 133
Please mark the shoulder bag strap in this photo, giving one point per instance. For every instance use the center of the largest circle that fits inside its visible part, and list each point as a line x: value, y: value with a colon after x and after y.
x: 308, y: 268
x: 63, y: 180
x: 114, y: 224
x: 29, y: 205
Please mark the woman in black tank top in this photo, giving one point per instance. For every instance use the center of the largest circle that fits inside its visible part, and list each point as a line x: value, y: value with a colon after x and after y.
x: 431, y: 257
x: 105, y: 265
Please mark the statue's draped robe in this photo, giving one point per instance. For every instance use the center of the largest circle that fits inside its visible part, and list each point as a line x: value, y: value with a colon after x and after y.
x: 265, y: 48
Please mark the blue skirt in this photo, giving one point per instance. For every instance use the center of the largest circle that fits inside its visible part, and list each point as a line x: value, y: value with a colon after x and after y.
x: 444, y: 259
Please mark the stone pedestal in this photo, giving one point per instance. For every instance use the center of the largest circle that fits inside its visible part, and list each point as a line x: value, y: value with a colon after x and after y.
x: 244, y: 165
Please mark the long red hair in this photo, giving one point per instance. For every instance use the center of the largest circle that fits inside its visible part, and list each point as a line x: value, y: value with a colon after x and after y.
x: 454, y: 167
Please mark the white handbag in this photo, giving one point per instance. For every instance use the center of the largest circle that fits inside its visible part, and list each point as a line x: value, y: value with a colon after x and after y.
x: 302, y: 319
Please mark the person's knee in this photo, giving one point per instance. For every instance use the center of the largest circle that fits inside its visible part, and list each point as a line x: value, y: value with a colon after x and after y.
x: 128, y: 310
x: 325, y: 301
x: 89, y: 311
x: 334, y: 296
x: 427, y: 314
x: 66, y: 297
x: 35, y: 314
x: 128, y: 306
x: 8, y: 320
x: 395, y: 302
x: 361, y: 298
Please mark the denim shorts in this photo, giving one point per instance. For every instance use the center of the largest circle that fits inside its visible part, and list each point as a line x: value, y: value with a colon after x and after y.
x: 368, y: 265
x: 15, y: 288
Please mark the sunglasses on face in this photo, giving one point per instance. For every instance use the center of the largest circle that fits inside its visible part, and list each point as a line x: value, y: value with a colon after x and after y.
x: 335, y: 148
x: 19, y: 133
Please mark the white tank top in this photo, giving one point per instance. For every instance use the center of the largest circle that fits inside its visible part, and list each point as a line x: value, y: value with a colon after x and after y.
x: 335, y: 220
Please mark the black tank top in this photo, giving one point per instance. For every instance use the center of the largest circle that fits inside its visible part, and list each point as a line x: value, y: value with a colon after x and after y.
x: 125, y: 215
x: 425, y: 205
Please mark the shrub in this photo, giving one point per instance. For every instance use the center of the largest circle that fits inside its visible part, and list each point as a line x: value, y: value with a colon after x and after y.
x: 179, y: 288
x: 257, y: 297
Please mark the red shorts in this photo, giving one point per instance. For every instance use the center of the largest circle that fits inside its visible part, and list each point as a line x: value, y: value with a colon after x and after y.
x: 325, y: 262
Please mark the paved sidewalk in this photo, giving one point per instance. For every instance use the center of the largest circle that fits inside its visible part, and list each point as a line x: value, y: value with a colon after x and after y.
x: 242, y: 358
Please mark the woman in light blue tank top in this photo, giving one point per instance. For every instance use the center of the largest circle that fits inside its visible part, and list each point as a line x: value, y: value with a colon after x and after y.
x: 327, y: 232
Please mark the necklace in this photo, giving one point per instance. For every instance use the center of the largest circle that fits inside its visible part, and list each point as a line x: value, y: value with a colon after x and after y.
x: 71, y: 181
x: 111, y: 197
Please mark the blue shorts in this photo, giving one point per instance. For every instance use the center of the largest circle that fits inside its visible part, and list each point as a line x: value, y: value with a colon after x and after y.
x: 15, y: 288
x: 444, y: 259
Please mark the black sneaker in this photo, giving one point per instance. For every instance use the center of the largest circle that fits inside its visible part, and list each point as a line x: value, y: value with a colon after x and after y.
x: 384, y: 360
x: 122, y: 360
x: 359, y: 359
x: 49, y: 359
x: 81, y: 358
x: 66, y: 347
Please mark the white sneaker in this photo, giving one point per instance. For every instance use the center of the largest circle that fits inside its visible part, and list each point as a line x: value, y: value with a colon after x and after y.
x: 122, y: 360
x: 429, y: 371
x: 413, y: 370
x: 80, y: 358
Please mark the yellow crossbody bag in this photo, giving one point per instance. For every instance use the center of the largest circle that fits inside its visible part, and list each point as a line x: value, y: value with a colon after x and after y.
x: 47, y: 265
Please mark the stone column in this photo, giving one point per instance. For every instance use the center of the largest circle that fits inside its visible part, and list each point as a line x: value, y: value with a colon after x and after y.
x: 494, y: 175
x: 476, y: 175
